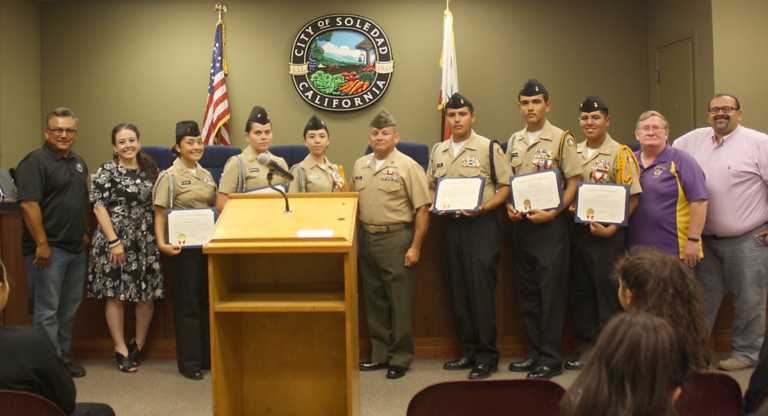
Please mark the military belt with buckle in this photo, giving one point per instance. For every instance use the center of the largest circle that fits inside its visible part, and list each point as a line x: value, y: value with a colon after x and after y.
x: 375, y: 229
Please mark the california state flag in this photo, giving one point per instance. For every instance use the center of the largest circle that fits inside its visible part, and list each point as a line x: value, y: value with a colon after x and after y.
x: 450, y: 76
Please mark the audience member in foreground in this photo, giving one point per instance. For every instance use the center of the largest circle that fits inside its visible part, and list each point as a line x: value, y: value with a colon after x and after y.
x: 30, y: 363
x: 657, y: 283
x: 637, y: 368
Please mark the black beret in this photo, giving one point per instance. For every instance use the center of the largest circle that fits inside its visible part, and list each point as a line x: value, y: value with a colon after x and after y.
x: 315, y: 123
x: 534, y: 87
x: 186, y: 128
x: 459, y: 101
x: 592, y: 104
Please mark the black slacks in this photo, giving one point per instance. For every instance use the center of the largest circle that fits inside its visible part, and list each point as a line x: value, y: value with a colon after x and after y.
x: 470, y: 260
x: 594, y: 293
x: 189, y: 271
x: 540, y: 265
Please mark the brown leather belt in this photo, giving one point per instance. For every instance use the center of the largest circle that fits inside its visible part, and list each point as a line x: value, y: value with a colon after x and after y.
x: 374, y: 229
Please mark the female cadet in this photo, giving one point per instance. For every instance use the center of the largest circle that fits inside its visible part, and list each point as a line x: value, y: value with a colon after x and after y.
x: 186, y: 185
x: 315, y: 173
x: 244, y: 172
x: 596, y: 246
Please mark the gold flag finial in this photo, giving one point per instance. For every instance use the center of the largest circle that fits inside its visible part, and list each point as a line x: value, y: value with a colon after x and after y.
x: 220, y: 8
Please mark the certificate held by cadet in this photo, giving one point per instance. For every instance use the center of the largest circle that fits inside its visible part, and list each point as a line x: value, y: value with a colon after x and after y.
x: 541, y: 190
x: 603, y: 203
x: 454, y: 194
x: 190, y: 227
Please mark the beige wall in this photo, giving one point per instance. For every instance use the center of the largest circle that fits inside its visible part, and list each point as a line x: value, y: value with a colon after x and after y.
x: 19, y: 80
x: 147, y: 62
x: 674, y: 20
x: 741, y: 60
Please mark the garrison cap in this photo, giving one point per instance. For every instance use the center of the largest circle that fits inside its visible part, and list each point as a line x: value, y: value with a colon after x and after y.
x: 459, y: 101
x: 383, y: 119
x: 258, y: 115
x: 534, y: 87
x: 186, y: 128
x: 593, y: 103
x: 315, y: 123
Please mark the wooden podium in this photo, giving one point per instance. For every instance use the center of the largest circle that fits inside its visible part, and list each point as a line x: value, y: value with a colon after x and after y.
x: 283, y: 298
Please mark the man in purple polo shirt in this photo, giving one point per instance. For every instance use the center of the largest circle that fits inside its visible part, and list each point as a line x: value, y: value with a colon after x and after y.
x: 673, y: 207
x: 735, y: 160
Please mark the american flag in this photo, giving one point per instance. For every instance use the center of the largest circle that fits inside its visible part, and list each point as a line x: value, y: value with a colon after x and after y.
x: 216, y: 118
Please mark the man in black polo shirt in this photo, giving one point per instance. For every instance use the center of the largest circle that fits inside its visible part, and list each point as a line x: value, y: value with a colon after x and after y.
x: 53, y: 193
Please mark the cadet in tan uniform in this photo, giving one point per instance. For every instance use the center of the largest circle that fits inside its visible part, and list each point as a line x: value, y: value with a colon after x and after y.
x: 244, y: 173
x: 186, y: 185
x: 542, y: 238
x: 315, y: 173
x: 394, y: 216
x: 596, y: 246
x: 471, y: 239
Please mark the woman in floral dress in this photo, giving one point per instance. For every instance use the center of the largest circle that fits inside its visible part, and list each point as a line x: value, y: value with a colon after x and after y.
x: 125, y: 263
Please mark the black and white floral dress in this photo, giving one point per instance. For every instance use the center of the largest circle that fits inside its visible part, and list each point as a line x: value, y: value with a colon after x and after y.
x: 127, y: 196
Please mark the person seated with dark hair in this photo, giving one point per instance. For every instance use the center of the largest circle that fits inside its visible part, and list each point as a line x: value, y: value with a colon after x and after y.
x: 654, y: 282
x: 637, y: 368
x: 29, y: 363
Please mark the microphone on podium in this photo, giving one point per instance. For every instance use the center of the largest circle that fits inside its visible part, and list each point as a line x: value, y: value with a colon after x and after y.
x: 267, y: 161
x: 264, y: 159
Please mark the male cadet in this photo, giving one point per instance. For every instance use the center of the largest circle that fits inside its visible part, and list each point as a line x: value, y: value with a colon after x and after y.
x: 471, y: 240
x: 244, y: 173
x: 53, y: 194
x: 735, y: 161
x: 541, y: 248
x: 596, y: 246
x: 394, y: 217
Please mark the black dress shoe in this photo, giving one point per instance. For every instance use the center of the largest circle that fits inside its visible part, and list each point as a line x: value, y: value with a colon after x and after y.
x: 462, y: 363
x: 574, y: 365
x: 193, y: 375
x: 481, y: 371
x: 75, y: 370
x: 372, y: 365
x: 522, y: 366
x: 134, y: 353
x: 396, y: 371
x: 543, y: 372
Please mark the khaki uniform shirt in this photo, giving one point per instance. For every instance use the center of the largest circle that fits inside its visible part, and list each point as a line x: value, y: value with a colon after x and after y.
x: 472, y: 160
x: 189, y: 191
x: 601, y: 166
x: 544, y: 153
x: 310, y: 176
x: 255, y: 173
x: 391, y: 194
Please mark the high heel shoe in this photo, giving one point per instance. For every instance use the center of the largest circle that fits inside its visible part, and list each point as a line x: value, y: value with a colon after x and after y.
x: 134, y: 353
x: 124, y: 363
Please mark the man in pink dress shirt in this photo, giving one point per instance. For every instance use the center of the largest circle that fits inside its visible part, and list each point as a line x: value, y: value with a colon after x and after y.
x: 735, y: 161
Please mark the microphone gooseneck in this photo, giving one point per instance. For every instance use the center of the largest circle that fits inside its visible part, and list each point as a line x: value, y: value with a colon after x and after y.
x: 270, y: 175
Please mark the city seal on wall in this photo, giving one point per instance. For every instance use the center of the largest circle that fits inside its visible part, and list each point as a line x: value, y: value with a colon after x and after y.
x: 341, y: 62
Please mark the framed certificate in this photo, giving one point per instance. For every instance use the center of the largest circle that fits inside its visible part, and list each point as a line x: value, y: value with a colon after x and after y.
x: 603, y: 203
x: 454, y: 194
x: 190, y: 228
x: 539, y: 190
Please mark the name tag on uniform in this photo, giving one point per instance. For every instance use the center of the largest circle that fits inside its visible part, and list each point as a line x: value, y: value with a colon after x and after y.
x: 253, y: 169
x: 187, y: 182
x: 439, y: 165
x: 471, y: 162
